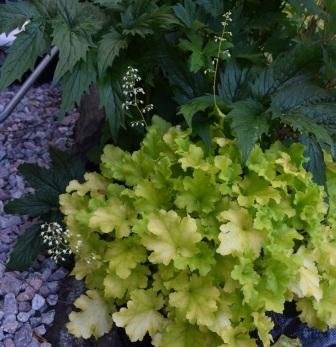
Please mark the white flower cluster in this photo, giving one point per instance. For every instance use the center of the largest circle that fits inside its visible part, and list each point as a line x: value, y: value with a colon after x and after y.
x: 220, y: 39
x: 134, y: 95
x: 80, y: 248
x: 55, y: 238
x: 91, y: 258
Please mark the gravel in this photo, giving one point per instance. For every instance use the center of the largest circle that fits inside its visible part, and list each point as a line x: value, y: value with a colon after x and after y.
x: 28, y: 298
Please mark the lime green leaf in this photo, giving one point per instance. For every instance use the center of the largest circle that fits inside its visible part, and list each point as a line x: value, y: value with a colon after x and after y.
x: 238, y: 234
x: 285, y: 341
x: 181, y: 334
x: 95, y: 184
x: 264, y: 325
x: 116, y: 287
x: 93, y: 319
x: 124, y: 255
x: 115, y: 216
x: 141, y: 315
x: 197, y: 301
x: 197, y: 193
x: 203, y: 260
x: 307, y: 282
x: 170, y: 236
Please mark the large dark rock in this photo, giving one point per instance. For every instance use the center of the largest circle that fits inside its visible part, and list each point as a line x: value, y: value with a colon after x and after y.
x: 91, y: 119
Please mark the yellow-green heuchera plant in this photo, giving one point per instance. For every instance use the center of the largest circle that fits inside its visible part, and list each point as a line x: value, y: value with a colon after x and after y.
x: 194, y: 248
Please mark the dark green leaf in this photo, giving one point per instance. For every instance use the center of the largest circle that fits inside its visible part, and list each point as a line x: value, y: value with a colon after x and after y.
x: 196, y: 105
x: 27, y: 47
x: 73, y: 46
x: 38, y: 177
x: 323, y: 114
x: 14, y: 14
x: 213, y: 7
x: 47, y: 9
x: 186, y: 13
x: 34, y: 205
x: 66, y: 165
x: 201, y: 53
x: 184, y: 84
x: 76, y: 82
x: 109, y: 48
x: 26, y: 249
x: 315, y: 164
x: 48, y: 184
x: 265, y: 83
x: 307, y: 126
x: 248, y: 123
x: 201, y: 128
x: 111, y: 4
x: 110, y: 94
x: 232, y: 82
x: 145, y: 18
x: 296, y: 95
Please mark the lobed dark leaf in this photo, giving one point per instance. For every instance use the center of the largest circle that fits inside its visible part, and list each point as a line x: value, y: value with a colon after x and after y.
x: 26, y: 249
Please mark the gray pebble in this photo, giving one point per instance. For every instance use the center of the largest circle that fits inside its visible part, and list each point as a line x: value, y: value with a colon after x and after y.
x: 35, y: 321
x: 58, y: 274
x: 44, y: 291
x: 48, y: 317
x: 40, y: 330
x: 38, y: 302
x: 34, y: 343
x: 9, y: 343
x: 10, y: 304
x: 23, y: 317
x: 27, y: 295
x: 24, y: 306
x: 10, y: 326
x: 9, y: 284
x: 36, y: 283
x: 46, y: 274
x: 53, y: 287
x: 23, y: 336
x: 52, y: 299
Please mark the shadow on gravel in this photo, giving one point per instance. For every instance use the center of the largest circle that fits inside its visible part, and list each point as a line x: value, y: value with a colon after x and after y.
x: 58, y: 335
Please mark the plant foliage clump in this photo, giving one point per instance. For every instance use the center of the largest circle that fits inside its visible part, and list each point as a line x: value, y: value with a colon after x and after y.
x: 191, y: 247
